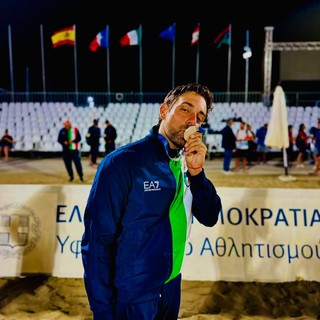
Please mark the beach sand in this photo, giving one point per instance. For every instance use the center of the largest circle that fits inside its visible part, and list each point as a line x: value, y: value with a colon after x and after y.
x: 50, y: 298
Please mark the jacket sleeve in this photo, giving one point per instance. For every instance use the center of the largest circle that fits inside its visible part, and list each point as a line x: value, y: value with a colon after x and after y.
x: 206, y: 203
x: 105, y: 206
x: 60, y: 138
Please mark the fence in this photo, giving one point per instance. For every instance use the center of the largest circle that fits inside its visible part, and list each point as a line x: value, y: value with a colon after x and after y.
x: 103, y: 98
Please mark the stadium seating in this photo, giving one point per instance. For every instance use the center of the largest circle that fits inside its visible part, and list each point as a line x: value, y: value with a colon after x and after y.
x: 35, y: 126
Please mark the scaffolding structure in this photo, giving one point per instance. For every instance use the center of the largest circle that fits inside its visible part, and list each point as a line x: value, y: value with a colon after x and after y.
x: 279, y: 46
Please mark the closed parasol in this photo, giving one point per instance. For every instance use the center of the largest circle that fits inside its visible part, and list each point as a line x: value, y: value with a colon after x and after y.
x: 277, y: 134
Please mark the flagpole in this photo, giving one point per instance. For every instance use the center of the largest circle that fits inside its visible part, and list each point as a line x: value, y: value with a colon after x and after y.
x: 27, y: 83
x: 229, y: 66
x: 174, y: 56
x: 43, y: 64
x: 140, y: 59
x: 75, y: 65
x: 108, y: 62
x: 11, y: 62
x: 170, y: 34
x: 246, y: 83
x: 198, y: 54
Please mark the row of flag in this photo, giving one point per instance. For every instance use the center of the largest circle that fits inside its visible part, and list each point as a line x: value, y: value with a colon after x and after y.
x: 67, y: 36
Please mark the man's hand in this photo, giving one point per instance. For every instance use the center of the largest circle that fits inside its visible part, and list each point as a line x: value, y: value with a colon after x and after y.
x: 195, y: 153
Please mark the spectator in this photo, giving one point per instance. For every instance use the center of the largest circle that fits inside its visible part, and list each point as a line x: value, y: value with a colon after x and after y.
x: 252, y: 144
x: 110, y: 136
x: 69, y: 137
x: 6, y: 144
x: 93, y: 139
x: 228, y: 144
x: 242, y: 147
x: 262, y: 149
x: 316, y: 149
x: 302, y: 143
x: 290, y: 151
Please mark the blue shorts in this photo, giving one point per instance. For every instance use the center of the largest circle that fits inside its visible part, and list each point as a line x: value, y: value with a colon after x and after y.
x: 264, y: 149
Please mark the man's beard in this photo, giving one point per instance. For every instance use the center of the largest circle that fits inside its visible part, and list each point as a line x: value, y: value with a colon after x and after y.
x: 175, y: 137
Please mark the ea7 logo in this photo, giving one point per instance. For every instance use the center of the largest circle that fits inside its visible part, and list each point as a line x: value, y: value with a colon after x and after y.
x: 151, y: 186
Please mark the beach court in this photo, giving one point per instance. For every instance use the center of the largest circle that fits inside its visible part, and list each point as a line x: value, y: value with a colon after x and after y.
x: 44, y: 297
x: 39, y: 170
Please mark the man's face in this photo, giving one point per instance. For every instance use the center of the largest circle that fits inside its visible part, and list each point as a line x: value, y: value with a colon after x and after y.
x: 67, y: 125
x: 188, y: 110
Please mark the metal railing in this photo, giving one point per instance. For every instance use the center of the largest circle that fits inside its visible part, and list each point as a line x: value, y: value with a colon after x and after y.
x: 103, y: 98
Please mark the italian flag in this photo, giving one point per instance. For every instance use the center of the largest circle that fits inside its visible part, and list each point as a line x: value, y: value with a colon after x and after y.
x: 132, y: 38
x: 72, y: 134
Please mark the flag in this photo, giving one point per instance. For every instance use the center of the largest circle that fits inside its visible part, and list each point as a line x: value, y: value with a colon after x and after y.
x: 64, y: 36
x: 101, y: 40
x: 169, y: 33
x: 131, y: 38
x: 224, y: 37
x: 195, y: 35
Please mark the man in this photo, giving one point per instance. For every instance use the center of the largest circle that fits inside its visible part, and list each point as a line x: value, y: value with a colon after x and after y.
x: 242, y: 147
x: 110, y: 136
x: 93, y: 139
x: 6, y: 144
x: 262, y: 149
x: 69, y: 137
x: 229, y: 145
x: 139, y: 212
x: 316, y: 149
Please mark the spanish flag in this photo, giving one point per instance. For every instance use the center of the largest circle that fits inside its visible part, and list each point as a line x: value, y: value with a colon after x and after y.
x: 64, y: 36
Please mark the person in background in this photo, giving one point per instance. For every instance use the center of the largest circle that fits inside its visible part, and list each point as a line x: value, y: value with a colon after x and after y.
x: 262, y: 149
x: 69, y: 137
x: 139, y: 213
x: 93, y: 139
x: 251, y: 136
x: 6, y: 144
x: 242, y: 147
x: 302, y: 143
x: 110, y: 136
x: 316, y: 148
x: 290, y: 151
x: 229, y: 145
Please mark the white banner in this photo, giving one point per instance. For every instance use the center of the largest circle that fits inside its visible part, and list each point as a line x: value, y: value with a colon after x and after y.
x: 263, y: 235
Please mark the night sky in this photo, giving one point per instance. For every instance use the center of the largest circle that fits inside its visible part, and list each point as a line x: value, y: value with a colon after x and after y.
x: 294, y: 21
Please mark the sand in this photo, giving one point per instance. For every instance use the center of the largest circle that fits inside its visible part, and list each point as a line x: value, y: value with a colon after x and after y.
x: 51, y: 298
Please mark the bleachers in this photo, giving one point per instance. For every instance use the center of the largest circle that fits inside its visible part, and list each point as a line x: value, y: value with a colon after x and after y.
x: 35, y: 126
x: 256, y: 114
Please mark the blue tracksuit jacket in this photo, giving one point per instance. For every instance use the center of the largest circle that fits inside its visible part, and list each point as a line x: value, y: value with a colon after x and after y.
x: 137, y: 220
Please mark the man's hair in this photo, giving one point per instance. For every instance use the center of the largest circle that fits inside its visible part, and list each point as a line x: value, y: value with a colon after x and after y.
x: 203, y: 91
x: 230, y: 121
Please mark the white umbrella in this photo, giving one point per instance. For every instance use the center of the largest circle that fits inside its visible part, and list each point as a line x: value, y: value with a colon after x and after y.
x: 277, y: 134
